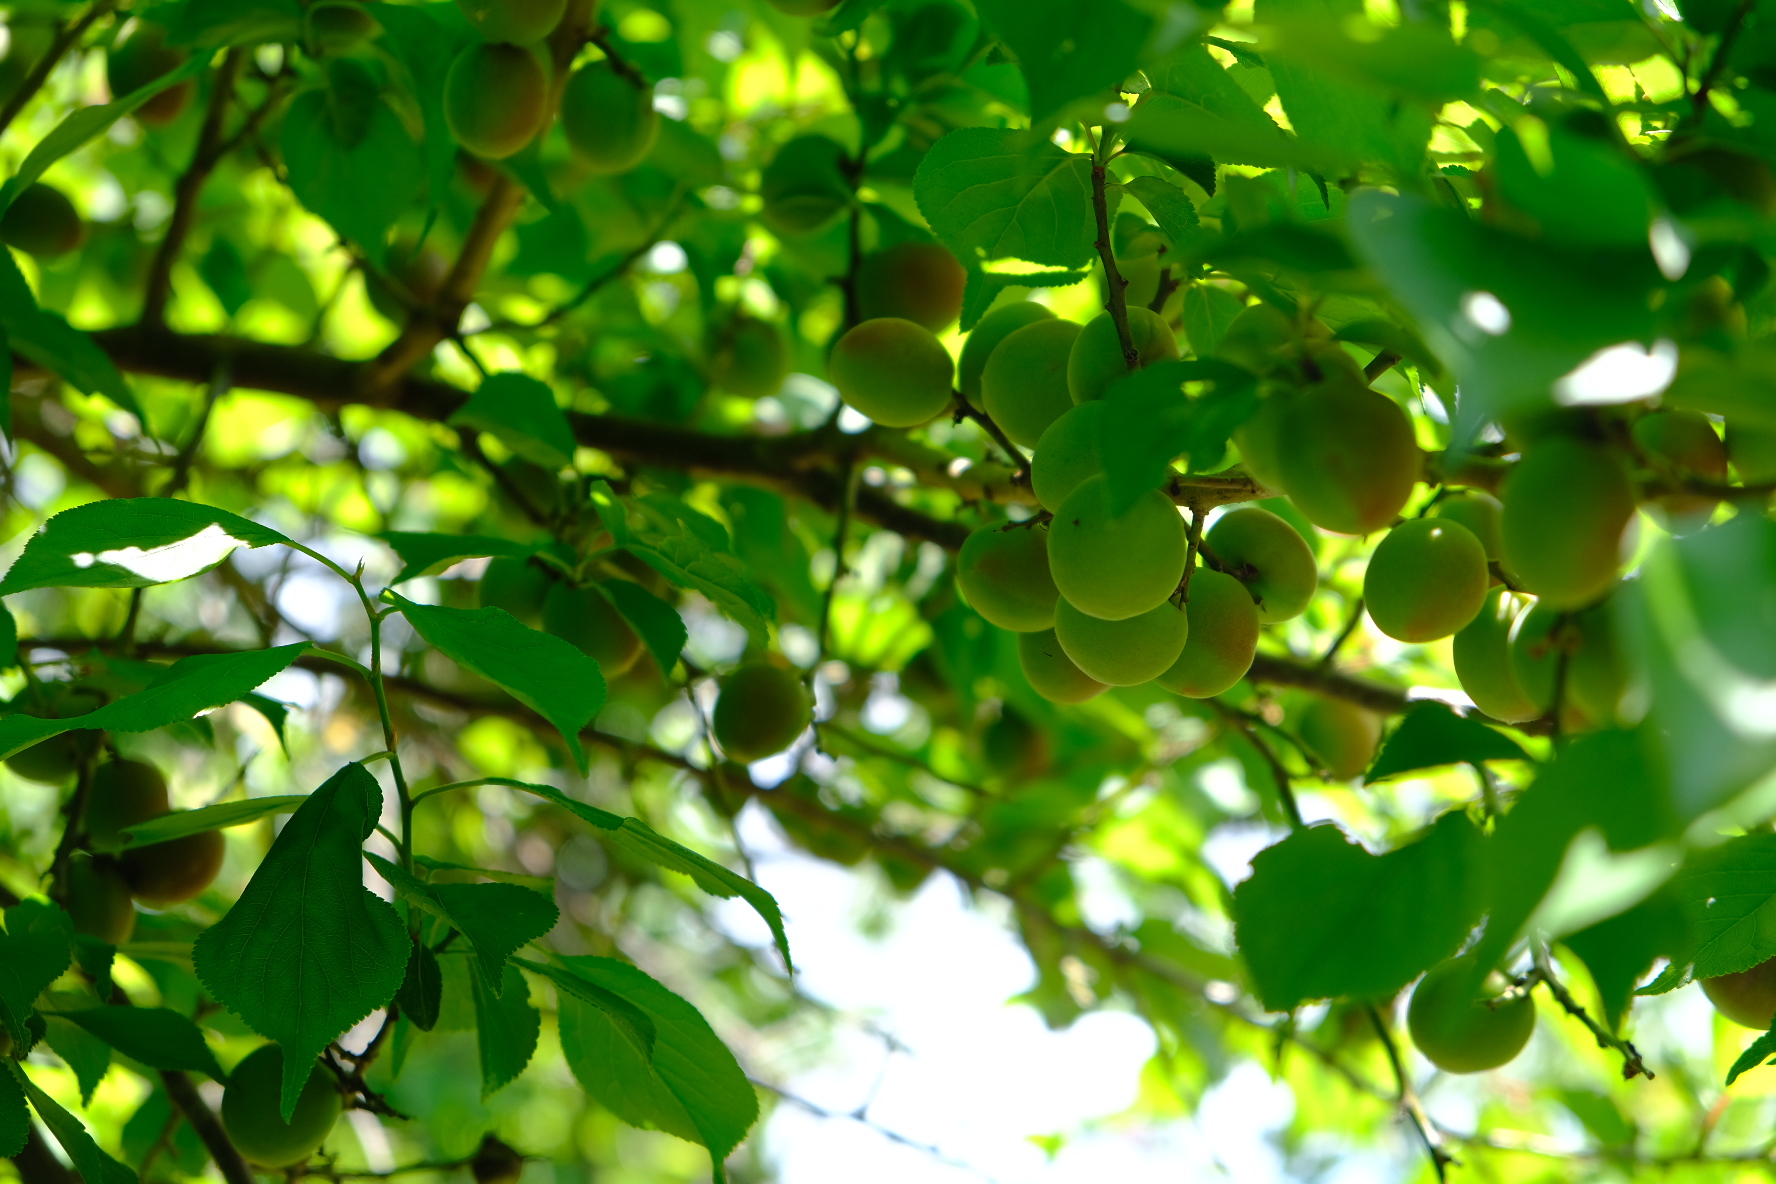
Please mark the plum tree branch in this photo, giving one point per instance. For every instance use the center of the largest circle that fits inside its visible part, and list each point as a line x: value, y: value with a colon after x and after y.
x: 1632, y: 1063
x: 203, y: 1120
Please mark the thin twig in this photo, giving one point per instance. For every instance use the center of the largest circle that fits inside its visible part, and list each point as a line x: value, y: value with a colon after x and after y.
x: 1408, y: 1097
x: 1632, y: 1064
x: 967, y: 410
x: 1723, y: 52
x: 1284, y: 783
x: 47, y: 63
x: 841, y: 532
x: 1380, y: 364
x: 861, y: 1117
x: 1344, y: 635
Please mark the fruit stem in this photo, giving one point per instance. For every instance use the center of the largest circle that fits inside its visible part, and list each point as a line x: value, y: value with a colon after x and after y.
x: 966, y: 410
x: 1114, y: 284
x: 1194, y: 540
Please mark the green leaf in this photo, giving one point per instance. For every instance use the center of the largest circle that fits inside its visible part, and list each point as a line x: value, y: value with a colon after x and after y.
x: 94, y: 1166
x: 1322, y: 918
x: 86, y: 1055
x: 181, y: 823
x: 657, y: 623
x: 157, y: 1036
x: 550, y: 676
x: 1170, y: 206
x: 1589, y: 195
x: 422, y: 992
x: 1431, y: 734
x: 1004, y: 194
x: 1209, y: 312
x: 983, y: 287
x: 715, y: 1104
x: 131, y: 543
x: 426, y: 46
x: 34, y: 951
x: 506, y: 1027
x: 8, y: 625
x: 276, y: 714
x: 1620, y: 950
x: 275, y: 961
x: 496, y: 919
x: 429, y: 554
x: 521, y: 412
x: 626, y: 1020
x: 47, y: 339
x: 1727, y: 896
x: 1196, y: 109
x: 1762, y: 1050
x: 225, y: 272
x: 1069, y: 49
x: 1149, y: 421
x: 15, y: 1117
x: 216, y: 23
x: 350, y: 157
x: 182, y: 690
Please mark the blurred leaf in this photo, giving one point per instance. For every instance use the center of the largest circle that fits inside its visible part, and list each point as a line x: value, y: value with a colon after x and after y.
x: 1620, y: 950
x: 94, y: 1166
x: 428, y: 554
x: 426, y: 46
x: 1000, y: 194
x: 276, y: 714
x: 1430, y: 734
x: 47, y: 339
x: 274, y: 959
x: 225, y: 272
x: 656, y: 622
x: 1149, y: 421
x: 1069, y: 49
x: 181, y: 823
x: 34, y: 951
x: 1590, y: 195
x: 349, y: 156
x: 212, y: 24
x: 131, y: 543
x: 157, y: 1036
x: 522, y: 413
x: 506, y: 1025
x: 1321, y: 918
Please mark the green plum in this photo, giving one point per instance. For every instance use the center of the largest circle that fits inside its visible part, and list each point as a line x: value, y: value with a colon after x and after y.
x: 99, y: 899
x: 1460, y: 1032
x: 1258, y: 440
x: 894, y: 371
x: 1341, y: 736
x: 1123, y: 653
x: 1688, y: 443
x: 1051, y: 672
x: 142, y: 59
x: 1024, y: 388
x: 1747, y: 997
x: 1269, y: 557
x: 804, y: 185
x: 1595, y: 677
x: 176, y: 870
x: 586, y: 617
x: 121, y: 794
x: 918, y: 282
x: 340, y: 26
x: 1482, y: 514
x: 1066, y: 455
x: 495, y: 97
x: 1003, y: 573
x: 985, y: 337
x: 1347, y: 456
x: 1222, y: 639
x: 762, y: 709
x: 1097, y: 359
x: 517, y: 21
x: 1115, y: 566
x: 252, y: 1115
x: 608, y: 118
x: 1258, y: 338
x: 1567, y: 504
x: 42, y: 221
x: 1426, y: 580
x: 1483, y: 661
x: 750, y: 358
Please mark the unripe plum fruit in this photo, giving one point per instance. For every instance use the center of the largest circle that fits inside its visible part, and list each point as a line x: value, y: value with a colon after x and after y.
x: 99, y: 899
x: 1259, y: 338
x: 253, y: 1117
x: 1004, y: 576
x: 1460, y: 1032
x: 1426, y: 580
x: 1066, y: 455
x: 1115, y: 566
x: 1051, y: 672
x: 54, y: 760
x: 496, y: 1163
x: 751, y: 358
x: 1347, y: 456
x: 1259, y: 439
x: 1025, y: 384
x: 760, y: 712
x: 495, y: 96
x: 1482, y: 514
x: 142, y: 59
x: 1595, y: 678
x: 421, y: 274
x: 516, y: 21
x: 1015, y: 748
x: 340, y: 26
x: 1222, y: 639
x: 986, y: 335
x: 804, y: 185
x: 1097, y: 360
x: 917, y: 282
x: 1269, y: 557
x: 1685, y: 440
x: 1123, y: 653
x: 608, y: 120
x: 176, y: 870
x: 587, y: 618
x: 42, y: 221
x: 518, y: 586
x: 1596, y: 674
x: 1567, y: 504
x: 1752, y: 449
x: 1341, y: 736
x: 894, y: 371
x: 122, y: 794
x: 1747, y: 997
x: 1483, y: 660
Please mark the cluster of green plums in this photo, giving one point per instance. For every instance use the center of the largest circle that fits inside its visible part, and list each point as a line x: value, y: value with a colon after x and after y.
x: 496, y: 95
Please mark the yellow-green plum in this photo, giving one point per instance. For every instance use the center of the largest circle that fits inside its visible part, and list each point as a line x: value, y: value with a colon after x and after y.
x: 1596, y: 674
x: 804, y: 185
x: 1051, y: 672
x: 1747, y: 997
x: 1347, y: 456
x: 1259, y: 439
x: 340, y: 26
x: 985, y: 337
x: 143, y: 58
x: 1426, y: 580
x: 1752, y: 449
x: 1222, y: 640
x: 42, y: 221
x: 1483, y: 660
x: 99, y: 899
x: 174, y: 871
x: 1688, y: 443
x: 892, y: 370
x: 761, y: 710
x: 1123, y: 653
x: 1097, y: 359
x: 518, y: 586
x: 1595, y: 677
x: 1015, y: 748
x: 608, y: 118
x: 123, y: 793
x: 254, y: 1119
x: 1025, y: 384
x: 1115, y: 566
x: 1482, y: 514
x: 587, y: 618
x: 420, y: 272
x: 1341, y: 736
x: 1269, y: 557
x: 517, y: 21
x: 1003, y: 573
x: 1259, y: 338
x: 1066, y: 455
x: 1567, y: 504
x: 750, y: 358
x: 1460, y: 1031
x: 918, y: 282
x: 495, y: 97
